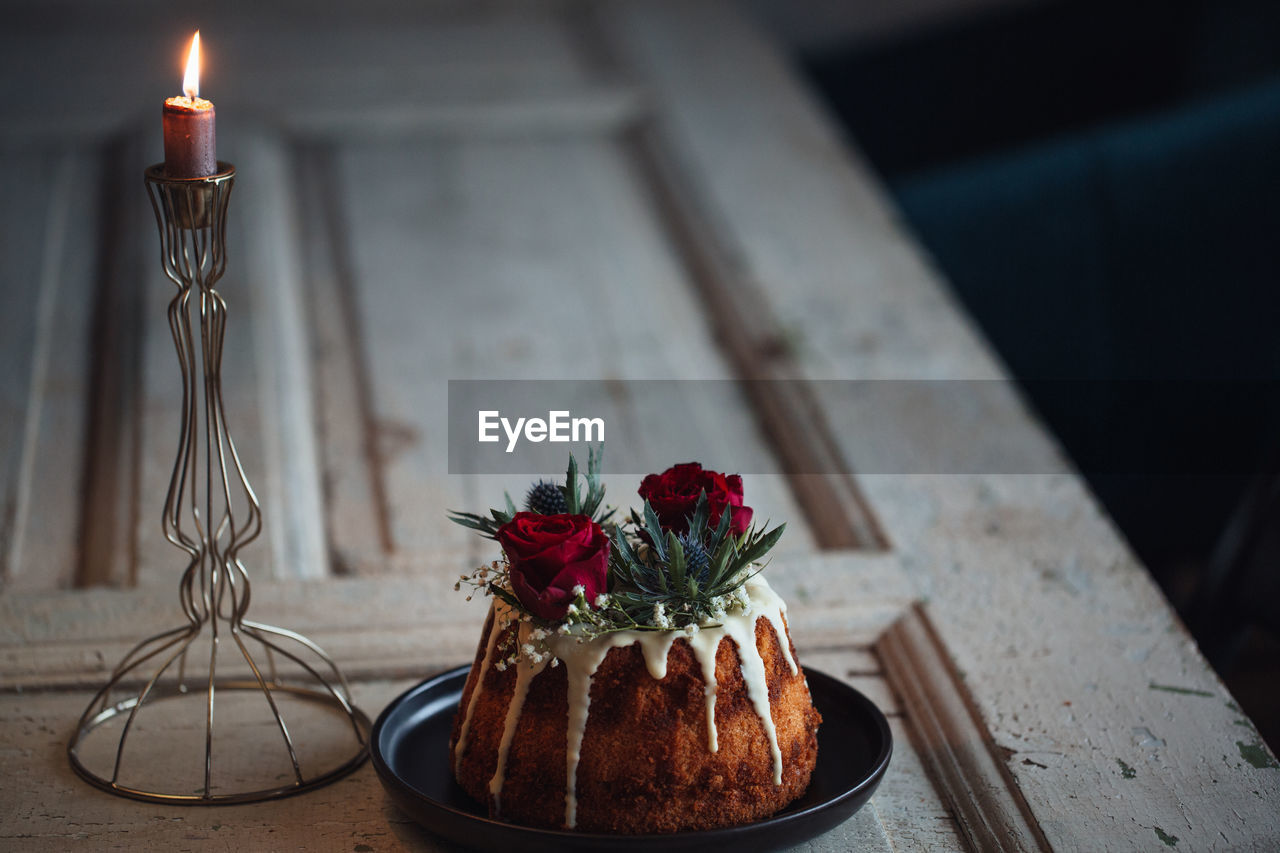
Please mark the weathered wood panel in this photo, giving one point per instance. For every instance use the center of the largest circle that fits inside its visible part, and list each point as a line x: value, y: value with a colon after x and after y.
x: 47, y: 288
x: 353, y: 814
x: 909, y: 808
x: 24, y: 216
x: 273, y: 280
x: 546, y: 252
x: 389, y: 626
x: 1085, y: 680
x: 1110, y: 722
x: 479, y: 66
x: 355, y: 498
x: 760, y: 351
x: 278, y: 219
x: 61, y: 640
x: 483, y: 183
x: 792, y: 201
x: 952, y: 743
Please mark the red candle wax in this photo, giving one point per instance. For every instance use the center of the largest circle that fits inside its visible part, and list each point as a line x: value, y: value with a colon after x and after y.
x: 189, y: 136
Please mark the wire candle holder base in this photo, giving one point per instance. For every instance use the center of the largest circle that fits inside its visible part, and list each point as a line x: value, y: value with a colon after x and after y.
x: 211, y: 513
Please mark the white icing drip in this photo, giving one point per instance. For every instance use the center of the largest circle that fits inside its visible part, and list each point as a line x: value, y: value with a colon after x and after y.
x: 705, y: 643
x: 774, y: 610
x: 582, y: 659
x: 494, y: 630
x: 741, y: 627
x: 525, y: 671
x: 655, y: 645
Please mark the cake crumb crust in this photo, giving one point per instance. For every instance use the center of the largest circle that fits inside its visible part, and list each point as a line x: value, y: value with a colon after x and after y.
x: 646, y: 765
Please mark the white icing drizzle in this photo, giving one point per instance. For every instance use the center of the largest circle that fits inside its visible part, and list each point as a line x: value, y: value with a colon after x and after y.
x: 581, y: 662
x: 741, y: 628
x: 705, y: 644
x: 525, y: 671
x: 655, y: 645
x: 582, y: 659
x: 494, y: 630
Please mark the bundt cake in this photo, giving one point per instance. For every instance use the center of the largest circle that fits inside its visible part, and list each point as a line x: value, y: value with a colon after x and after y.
x: 637, y: 731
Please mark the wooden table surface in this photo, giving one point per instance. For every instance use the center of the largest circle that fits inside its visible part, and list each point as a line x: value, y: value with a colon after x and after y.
x: 617, y: 191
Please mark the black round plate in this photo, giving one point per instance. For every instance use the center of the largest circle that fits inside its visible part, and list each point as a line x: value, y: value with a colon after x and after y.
x: 410, y: 750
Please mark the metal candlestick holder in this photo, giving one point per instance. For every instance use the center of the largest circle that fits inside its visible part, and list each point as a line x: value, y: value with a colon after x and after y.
x: 209, y: 491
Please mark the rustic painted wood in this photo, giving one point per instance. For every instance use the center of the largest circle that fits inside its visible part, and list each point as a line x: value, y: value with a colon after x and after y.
x: 825, y: 252
x: 392, y: 627
x: 355, y: 498
x: 1112, y: 723
x: 481, y: 166
x: 24, y: 218
x: 1107, y: 718
x: 334, y: 69
x: 50, y: 211
x: 758, y: 349
x: 106, y: 519
x: 952, y: 742
x: 572, y: 151
x: 461, y: 248
x: 53, y: 810
x: 57, y: 643
x: 273, y: 280
x: 524, y: 57
x: 506, y: 72
x: 907, y: 803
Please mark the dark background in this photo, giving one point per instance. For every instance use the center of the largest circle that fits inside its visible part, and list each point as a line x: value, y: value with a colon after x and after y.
x: 1100, y: 182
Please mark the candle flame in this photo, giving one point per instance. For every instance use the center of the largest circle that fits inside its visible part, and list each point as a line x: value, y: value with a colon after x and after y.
x: 191, y: 80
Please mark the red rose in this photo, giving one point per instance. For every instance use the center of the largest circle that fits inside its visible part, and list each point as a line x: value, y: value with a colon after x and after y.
x: 548, y: 555
x: 673, y: 494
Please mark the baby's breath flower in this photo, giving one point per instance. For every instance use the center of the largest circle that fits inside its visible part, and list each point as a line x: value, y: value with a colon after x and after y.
x: 578, y: 589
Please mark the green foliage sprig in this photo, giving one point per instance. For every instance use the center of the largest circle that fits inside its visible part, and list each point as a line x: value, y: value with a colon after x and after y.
x: 588, y: 501
x: 651, y: 580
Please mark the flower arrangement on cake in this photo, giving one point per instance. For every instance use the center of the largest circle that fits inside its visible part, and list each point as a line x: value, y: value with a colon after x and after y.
x: 633, y: 676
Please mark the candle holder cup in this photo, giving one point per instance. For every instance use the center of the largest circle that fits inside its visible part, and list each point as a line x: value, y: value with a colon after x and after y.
x: 189, y: 203
x: 164, y: 705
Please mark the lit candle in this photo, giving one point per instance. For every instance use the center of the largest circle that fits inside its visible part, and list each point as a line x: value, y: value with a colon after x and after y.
x: 188, y: 126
